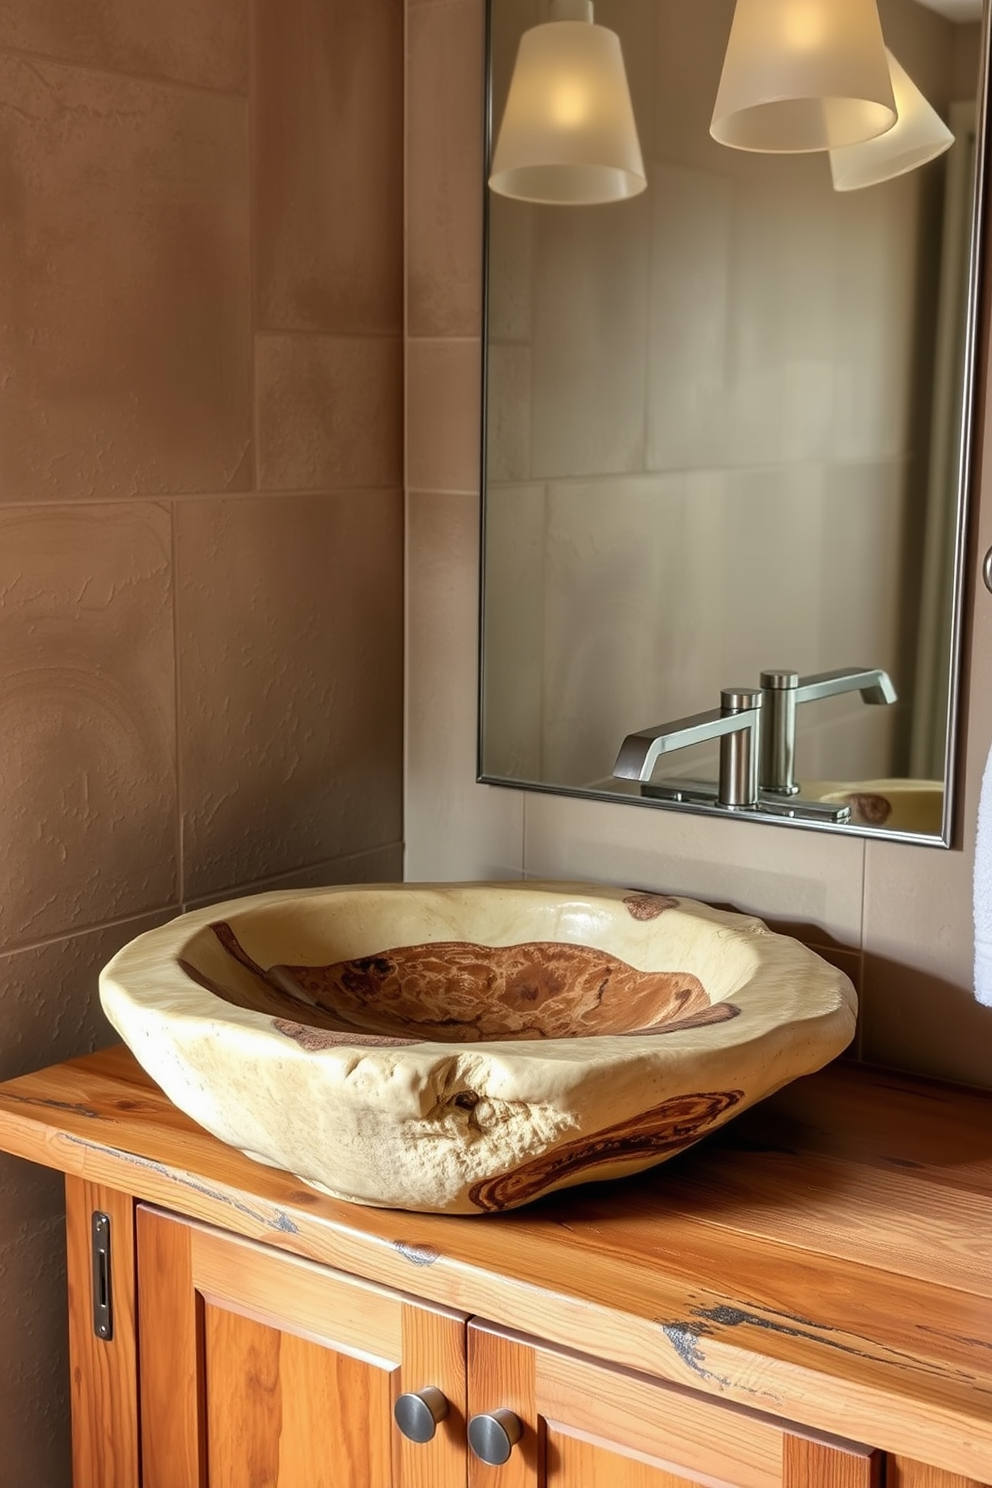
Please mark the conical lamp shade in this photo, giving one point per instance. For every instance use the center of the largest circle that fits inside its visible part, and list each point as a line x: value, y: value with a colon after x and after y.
x: 919, y: 135
x: 568, y: 135
x: 803, y: 75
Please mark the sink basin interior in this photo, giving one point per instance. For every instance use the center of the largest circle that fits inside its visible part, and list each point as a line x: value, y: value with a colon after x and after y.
x: 455, y: 990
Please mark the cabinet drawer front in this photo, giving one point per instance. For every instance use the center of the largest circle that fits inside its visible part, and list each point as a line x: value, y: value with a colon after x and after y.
x: 588, y: 1425
x: 259, y: 1367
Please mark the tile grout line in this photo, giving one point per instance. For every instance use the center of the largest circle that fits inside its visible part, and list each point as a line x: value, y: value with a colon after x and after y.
x: 180, y: 848
x: 175, y: 906
x: 253, y: 287
x: 180, y: 85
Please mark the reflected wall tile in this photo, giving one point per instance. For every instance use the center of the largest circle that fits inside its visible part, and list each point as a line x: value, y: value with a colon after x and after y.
x: 514, y: 670
x: 508, y: 413
x: 455, y: 829
x: 688, y: 316
x: 125, y: 242
x: 876, y: 285
x: 445, y: 167
x: 511, y: 269
x: 813, y: 884
x: 87, y: 697
x: 328, y: 165
x: 330, y: 412
x: 590, y: 340
x: 290, y: 644
x: 604, y: 614
x: 180, y: 39
x: 444, y: 396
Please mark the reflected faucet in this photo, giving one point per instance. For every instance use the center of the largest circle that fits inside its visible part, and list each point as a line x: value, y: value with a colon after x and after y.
x: 782, y: 691
x: 734, y: 723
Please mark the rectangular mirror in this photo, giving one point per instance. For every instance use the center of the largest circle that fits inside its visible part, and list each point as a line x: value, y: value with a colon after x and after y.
x: 727, y: 434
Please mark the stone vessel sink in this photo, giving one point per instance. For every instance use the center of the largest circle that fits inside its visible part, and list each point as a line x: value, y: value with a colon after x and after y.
x: 466, y: 1048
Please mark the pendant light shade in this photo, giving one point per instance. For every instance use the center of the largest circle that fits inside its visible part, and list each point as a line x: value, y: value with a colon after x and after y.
x: 919, y: 135
x: 803, y: 75
x: 568, y: 135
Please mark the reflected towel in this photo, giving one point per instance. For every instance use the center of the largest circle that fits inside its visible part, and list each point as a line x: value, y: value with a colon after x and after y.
x: 983, y: 891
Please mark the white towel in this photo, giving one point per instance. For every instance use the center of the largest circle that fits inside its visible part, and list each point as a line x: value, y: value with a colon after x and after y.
x: 983, y: 891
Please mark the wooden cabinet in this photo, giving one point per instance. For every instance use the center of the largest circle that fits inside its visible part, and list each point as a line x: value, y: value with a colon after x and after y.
x: 586, y: 1425
x: 258, y: 1368
x: 821, y: 1271
x: 233, y: 1365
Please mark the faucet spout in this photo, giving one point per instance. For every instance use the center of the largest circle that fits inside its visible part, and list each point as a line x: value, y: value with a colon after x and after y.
x: 735, y: 724
x: 874, y: 685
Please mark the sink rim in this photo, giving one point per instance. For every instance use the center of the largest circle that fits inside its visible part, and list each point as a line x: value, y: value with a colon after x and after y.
x: 165, y: 985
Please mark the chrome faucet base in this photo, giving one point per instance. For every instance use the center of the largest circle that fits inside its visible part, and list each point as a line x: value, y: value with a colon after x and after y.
x: 704, y: 793
x: 752, y: 728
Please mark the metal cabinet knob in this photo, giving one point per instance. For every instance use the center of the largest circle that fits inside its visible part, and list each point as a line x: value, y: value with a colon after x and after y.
x: 418, y: 1415
x: 493, y: 1437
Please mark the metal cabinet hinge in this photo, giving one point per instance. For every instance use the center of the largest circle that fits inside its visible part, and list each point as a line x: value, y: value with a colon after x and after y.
x: 103, y: 1317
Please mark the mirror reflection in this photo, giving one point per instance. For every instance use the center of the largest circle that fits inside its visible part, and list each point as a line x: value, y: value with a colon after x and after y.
x: 726, y: 449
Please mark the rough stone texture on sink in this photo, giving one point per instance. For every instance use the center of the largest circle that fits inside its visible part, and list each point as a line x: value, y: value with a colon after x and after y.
x: 466, y: 1048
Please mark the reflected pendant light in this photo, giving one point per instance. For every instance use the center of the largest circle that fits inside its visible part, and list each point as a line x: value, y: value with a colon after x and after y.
x: 919, y: 135
x: 568, y: 136
x: 803, y: 75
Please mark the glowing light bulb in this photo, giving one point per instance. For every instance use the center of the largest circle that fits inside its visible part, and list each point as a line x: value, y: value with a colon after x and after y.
x: 803, y: 27
x: 570, y: 105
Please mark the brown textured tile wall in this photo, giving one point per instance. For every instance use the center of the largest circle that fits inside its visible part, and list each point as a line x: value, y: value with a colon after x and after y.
x: 126, y: 332
x: 328, y: 260
x: 896, y: 918
x: 180, y: 39
x: 445, y: 147
x: 311, y: 591
x: 327, y: 412
x: 200, y: 515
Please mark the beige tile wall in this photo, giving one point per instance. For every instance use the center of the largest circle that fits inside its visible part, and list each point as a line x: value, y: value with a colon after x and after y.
x: 201, y: 656
x: 898, y: 918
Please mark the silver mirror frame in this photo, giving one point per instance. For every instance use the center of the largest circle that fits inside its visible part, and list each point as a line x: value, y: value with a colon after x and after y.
x: 967, y: 498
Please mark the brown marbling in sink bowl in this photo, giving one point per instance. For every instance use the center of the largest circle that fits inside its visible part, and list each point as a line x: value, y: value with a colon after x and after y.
x: 465, y: 1048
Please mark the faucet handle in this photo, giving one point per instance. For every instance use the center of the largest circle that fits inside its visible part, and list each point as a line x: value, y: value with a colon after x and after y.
x: 779, y: 681
x: 738, y: 700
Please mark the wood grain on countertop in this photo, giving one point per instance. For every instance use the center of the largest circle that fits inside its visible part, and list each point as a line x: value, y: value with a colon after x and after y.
x: 826, y: 1257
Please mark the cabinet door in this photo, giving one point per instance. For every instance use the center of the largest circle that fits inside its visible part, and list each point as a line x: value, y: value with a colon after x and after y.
x: 902, y: 1472
x: 261, y: 1370
x: 587, y: 1425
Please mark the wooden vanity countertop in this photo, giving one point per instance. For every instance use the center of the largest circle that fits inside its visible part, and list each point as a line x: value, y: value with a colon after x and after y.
x: 826, y: 1257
